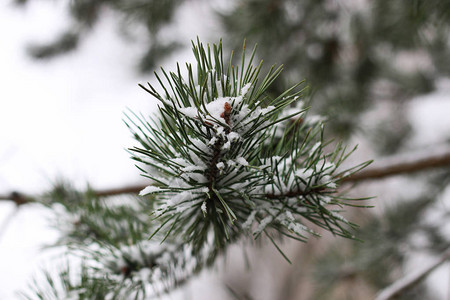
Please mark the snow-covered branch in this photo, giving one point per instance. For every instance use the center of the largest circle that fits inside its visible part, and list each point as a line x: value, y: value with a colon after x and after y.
x: 391, y: 166
x: 411, y: 280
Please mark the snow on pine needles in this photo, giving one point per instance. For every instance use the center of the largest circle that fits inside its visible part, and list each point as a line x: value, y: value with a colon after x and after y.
x: 227, y: 159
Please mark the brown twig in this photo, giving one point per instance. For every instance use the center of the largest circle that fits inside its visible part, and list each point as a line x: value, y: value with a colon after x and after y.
x: 297, y: 193
x: 398, y: 165
x: 132, y: 189
x: 384, y: 168
x: 17, y: 198
x: 411, y: 280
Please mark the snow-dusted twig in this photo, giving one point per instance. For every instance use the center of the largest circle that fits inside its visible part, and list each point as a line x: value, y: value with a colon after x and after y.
x: 17, y: 198
x: 384, y: 168
x: 396, y: 165
x: 410, y: 281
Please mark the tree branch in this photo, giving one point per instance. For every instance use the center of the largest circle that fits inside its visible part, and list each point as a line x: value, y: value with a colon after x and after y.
x: 401, y: 164
x: 292, y: 194
x: 411, y: 280
x: 17, y: 198
x: 391, y: 166
x: 131, y: 189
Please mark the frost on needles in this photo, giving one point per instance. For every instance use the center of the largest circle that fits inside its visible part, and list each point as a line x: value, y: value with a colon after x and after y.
x: 228, y: 161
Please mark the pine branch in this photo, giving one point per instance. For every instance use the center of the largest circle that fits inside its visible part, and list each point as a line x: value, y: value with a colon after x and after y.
x: 401, y: 164
x: 130, y: 189
x: 392, y: 166
x: 17, y: 197
x: 411, y: 280
x: 296, y: 193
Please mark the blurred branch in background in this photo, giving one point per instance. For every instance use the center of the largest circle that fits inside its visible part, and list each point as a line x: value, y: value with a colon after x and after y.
x: 385, y: 167
x: 404, y: 164
x: 400, y: 286
x: 396, y: 165
x: 150, y: 17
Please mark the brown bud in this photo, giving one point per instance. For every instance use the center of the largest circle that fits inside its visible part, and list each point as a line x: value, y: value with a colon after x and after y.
x: 227, y: 112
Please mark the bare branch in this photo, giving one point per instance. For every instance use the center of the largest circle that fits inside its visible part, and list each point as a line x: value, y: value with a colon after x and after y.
x: 17, y: 198
x: 411, y: 280
x: 403, y: 164
x: 386, y: 167
x: 132, y: 189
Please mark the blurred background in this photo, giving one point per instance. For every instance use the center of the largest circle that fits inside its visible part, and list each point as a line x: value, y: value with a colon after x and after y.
x: 379, y: 72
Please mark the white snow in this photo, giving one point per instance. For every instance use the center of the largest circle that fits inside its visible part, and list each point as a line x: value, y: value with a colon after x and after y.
x: 226, y: 146
x: 240, y: 160
x: 304, y: 173
x: 193, y: 168
x: 315, y: 147
x: 251, y: 218
x: 233, y: 136
x: 191, y: 112
x: 245, y: 89
x: 217, y: 107
x: 297, y: 228
x: 325, y: 199
x: 203, y: 207
x: 262, y: 225
x: 339, y: 216
x: 220, y: 166
x: 149, y: 190
x: 213, y: 141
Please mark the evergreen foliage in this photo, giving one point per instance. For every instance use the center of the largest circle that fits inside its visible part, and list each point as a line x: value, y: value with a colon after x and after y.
x: 348, y: 51
x: 227, y: 163
x: 224, y: 156
x: 350, y: 56
x: 151, y: 16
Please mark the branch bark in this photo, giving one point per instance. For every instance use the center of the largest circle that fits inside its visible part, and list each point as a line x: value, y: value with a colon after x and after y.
x: 410, y: 281
x: 396, y: 165
x: 403, y: 164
